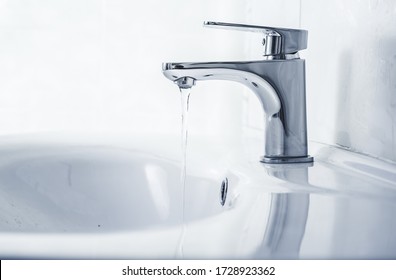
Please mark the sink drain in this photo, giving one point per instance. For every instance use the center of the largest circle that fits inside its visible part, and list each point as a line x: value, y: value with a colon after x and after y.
x: 223, y: 191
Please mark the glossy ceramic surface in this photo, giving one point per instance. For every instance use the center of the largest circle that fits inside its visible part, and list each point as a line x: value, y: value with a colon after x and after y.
x: 74, y: 198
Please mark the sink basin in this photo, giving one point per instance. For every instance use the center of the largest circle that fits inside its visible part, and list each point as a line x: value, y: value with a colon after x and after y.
x: 73, y: 197
x: 86, y: 190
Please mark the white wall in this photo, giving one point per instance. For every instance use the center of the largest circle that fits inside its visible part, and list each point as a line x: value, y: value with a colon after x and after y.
x: 91, y: 65
x: 351, y: 74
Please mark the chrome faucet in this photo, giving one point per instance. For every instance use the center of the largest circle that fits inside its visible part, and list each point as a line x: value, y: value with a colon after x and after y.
x: 278, y: 81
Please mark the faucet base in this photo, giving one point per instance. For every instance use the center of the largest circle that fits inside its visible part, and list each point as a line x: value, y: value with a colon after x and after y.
x: 282, y: 160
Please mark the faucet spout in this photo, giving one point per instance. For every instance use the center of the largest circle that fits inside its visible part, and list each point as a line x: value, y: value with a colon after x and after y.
x: 280, y: 87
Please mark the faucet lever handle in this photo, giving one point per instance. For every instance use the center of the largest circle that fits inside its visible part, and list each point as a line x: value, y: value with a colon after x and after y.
x: 277, y: 41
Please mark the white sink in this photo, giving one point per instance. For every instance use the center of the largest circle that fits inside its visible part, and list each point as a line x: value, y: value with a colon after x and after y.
x: 66, y: 197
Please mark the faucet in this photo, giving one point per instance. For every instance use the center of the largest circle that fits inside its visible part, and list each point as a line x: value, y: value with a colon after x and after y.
x: 278, y: 81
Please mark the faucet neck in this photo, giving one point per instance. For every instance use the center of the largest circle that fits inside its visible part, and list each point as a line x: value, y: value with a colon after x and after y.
x: 280, y: 87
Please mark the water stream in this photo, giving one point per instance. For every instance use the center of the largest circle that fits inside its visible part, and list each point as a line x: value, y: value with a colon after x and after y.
x: 185, y: 99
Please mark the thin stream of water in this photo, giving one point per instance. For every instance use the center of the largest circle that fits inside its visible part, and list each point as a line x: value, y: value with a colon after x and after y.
x: 185, y: 99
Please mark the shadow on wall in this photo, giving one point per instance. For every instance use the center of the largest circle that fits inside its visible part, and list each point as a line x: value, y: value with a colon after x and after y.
x: 344, y: 99
x: 366, y: 115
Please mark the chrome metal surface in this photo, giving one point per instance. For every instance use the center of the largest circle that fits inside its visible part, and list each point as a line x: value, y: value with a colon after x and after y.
x: 223, y: 191
x: 282, y: 56
x: 276, y: 40
x: 185, y: 82
x: 272, y: 160
x: 278, y: 83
